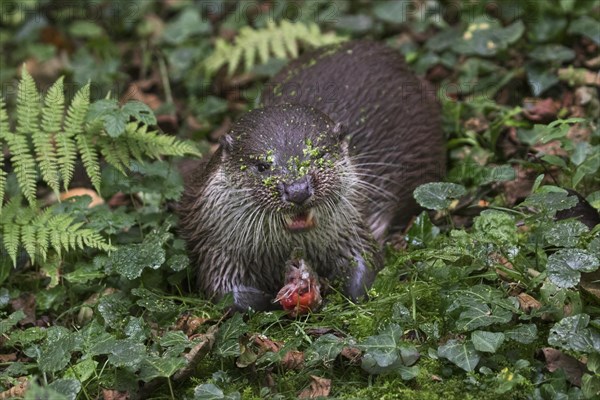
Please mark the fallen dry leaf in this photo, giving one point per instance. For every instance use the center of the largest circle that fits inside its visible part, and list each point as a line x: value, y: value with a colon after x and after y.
x: 17, y: 391
x: 572, y: 367
x: 96, y: 199
x: 543, y: 111
x: 4, y: 358
x: 293, y: 360
x: 319, y: 387
x: 528, y: 303
x: 110, y: 394
x: 26, y: 303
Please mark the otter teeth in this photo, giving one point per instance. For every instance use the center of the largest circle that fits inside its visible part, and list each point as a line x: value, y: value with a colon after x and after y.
x: 300, y: 222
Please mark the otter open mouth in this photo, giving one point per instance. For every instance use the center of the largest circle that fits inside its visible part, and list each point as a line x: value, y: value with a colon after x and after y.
x: 300, y: 222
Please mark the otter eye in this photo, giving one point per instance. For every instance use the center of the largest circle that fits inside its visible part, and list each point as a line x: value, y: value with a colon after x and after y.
x: 263, y: 166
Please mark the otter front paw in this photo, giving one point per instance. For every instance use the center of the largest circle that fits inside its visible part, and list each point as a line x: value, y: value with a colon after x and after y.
x: 361, y: 275
x: 245, y: 297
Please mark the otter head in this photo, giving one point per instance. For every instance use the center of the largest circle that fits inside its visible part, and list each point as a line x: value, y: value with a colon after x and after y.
x: 291, y: 161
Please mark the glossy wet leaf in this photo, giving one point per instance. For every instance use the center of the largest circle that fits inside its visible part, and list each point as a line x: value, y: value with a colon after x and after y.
x: 575, y: 333
x: 565, y: 266
x: 160, y: 367
x: 565, y: 233
x: 438, y: 195
x: 227, y: 338
x: 486, y: 341
x: 462, y: 354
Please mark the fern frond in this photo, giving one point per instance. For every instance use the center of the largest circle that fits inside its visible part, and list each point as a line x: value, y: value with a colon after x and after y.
x: 280, y: 40
x: 28, y: 105
x: 153, y: 145
x: 114, y: 153
x: 74, y: 124
x: 43, y: 140
x: 4, y: 131
x: 89, y: 157
x: 10, y: 235
x: 23, y: 164
x: 28, y: 110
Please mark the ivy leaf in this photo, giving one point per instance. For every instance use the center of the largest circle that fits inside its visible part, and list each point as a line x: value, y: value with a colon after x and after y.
x: 461, y: 354
x: 565, y: 233
x: 573, y: 333
x: 160, y: 367
x: 478, y: 315
x: 565, y: 266
x: 11, y: 321
x: 525, y: 333
x: 422, y: 231
x: 324, y: 350
x: 552, y: 53
x: 387, y: 353
x: 130, y: 260
x: 495, y: 226
x: 438, y: 195
x: 56, y: 353
x: 488, y: 342
x: 67, y: 387
x: 227, y: 339
x: 551, y: 201
x: 587, y: 26
x: 488, y: 37
x: 187, y: 24
x: 209, y: 391
x: 114, y: 308
x: 82, y: 371
x: 127, y: 353
x: 391, y: 11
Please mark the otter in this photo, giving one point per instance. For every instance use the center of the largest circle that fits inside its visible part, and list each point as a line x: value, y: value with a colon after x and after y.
x: 327, y: 165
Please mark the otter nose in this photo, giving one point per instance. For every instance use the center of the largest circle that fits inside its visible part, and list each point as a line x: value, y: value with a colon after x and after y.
x: 297, y: 192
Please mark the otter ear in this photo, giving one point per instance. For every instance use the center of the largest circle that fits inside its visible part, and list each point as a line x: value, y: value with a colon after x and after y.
x: 340, y: 132
x: 226, y: 142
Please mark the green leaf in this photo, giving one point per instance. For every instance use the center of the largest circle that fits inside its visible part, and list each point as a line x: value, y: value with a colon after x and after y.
x: 35, y: 392
x: 160, y: 367
x: 82, y: 371
x: 129, y: 261
x: 551, y: 201
x: 324, y: 350
x: 438, y: 195
x: 187, y: 24
x: 422, y: 231
x: 56, y: 353
x: 462, y: 354
x: 495, y: 226
x: 391, y: 11
x: 565, y: 233
x: 227, y: 338
x: 477, y: 315
x: 387, y: 353
x: 565, y: 266
x: 487, y: 37
x: 552, y: 53
x: 67, y: 387
x: 587, y: 26
x: 540, y: 78
x: 209, y: 391
x: 573, y: 333
x: 140, y: 112
x: 127, y: 353
x: 86, y: 29
x: 488, y: 342
x: 525, y: 333
x: 12, y: 320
